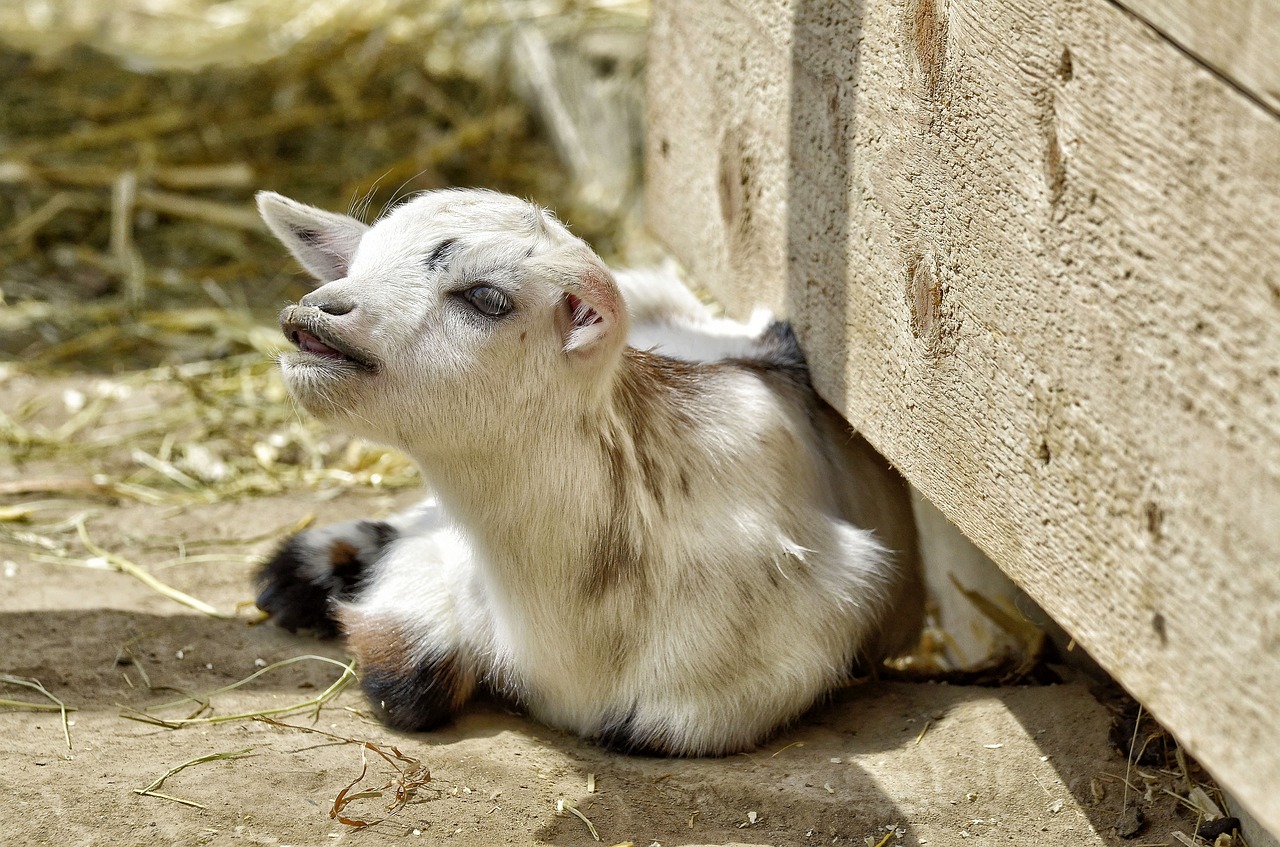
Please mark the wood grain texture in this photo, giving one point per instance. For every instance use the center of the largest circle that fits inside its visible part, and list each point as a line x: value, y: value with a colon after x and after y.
x: 1030, y: 247
x: 1239, y: 39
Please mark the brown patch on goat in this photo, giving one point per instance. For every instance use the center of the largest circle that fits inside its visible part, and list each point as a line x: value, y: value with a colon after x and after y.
x: 343, y: 554
x: 614, y: 561
x: 655, y: 396
x: 652, y: 394
x: 653, y: 381
x: 376, y: 643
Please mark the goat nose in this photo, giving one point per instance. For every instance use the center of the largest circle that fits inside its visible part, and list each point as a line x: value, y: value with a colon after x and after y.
x: 328, y: 303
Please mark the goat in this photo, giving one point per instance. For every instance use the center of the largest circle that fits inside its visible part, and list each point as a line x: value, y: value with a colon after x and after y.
x: 646, y: 527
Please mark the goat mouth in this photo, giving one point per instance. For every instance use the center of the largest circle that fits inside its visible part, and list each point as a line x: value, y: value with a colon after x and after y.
x: 308, y: 343
x: 305, y: 333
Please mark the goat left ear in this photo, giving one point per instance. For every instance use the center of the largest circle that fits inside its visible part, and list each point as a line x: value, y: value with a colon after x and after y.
x: 591, y: 314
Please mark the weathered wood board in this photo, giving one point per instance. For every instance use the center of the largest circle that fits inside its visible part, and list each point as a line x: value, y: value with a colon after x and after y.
x: 1033, y: 251
x: 1239, y: 39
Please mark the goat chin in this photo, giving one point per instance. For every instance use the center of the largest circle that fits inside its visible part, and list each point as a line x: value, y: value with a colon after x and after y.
x: 646, y: 528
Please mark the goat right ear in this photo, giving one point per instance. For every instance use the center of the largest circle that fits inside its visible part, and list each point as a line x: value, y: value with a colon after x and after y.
x: 322, y: 241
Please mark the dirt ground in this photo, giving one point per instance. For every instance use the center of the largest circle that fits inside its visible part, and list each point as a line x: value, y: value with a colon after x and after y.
x: 880, y: 764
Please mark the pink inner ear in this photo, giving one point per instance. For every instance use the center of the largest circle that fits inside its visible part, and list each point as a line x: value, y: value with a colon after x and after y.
x: 583, y: 315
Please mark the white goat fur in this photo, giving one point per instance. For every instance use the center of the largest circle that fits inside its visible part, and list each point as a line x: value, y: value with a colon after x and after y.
x: 676, y: 544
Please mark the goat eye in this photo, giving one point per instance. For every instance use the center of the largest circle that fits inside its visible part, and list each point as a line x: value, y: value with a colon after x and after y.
x: 488, y: 300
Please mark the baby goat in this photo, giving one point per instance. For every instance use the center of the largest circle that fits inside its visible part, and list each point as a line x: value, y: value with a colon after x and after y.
x: 674, y: 546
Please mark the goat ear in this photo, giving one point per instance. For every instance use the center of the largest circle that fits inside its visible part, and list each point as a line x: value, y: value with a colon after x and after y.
x: 591, y: 314
x: 322, y: 241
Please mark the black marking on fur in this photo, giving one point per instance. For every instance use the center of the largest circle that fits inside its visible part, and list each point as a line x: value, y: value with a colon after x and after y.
x: 778, y: 358
x: 622, y: 736
x: 383, y: 533
x: 783, y: 346
x: 289, y: 597
x: 422, y: 698
x: 439, y: 257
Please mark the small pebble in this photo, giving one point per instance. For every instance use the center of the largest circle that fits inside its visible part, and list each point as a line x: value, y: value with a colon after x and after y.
x: 1131, y: 823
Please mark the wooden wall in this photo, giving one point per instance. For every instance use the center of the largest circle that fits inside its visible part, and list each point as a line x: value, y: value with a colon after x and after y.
x: 1032, y: 248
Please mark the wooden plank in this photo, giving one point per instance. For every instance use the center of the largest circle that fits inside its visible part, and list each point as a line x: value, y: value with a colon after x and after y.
x: 1239, y: 39
x: 1030, y: 247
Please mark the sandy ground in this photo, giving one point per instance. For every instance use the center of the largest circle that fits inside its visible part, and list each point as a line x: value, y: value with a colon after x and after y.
x: 880, y: 764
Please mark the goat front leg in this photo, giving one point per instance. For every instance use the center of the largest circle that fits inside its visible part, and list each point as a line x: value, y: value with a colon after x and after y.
x: 416, y: 679
x: 402, y: 592
x: 420, y: 626
x: 300, y: 583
